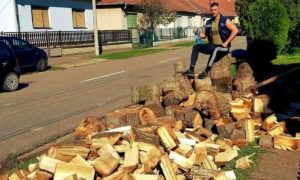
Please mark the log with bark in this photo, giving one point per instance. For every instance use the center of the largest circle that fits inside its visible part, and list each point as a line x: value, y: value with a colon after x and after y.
x: 145, y: 93
x: 220, y: 75
x: 179, y: 68
x: 207, y: 103
x: 89, y: 125
x: 244, y: 79
x: 67, y: 152
x: 64, y: 170
x: 151, y: 111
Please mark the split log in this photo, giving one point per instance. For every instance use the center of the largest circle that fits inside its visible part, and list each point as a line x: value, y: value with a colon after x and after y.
x: 200, y: 154
x: 190, y: 101
x: 207, y: 103
x: 150, y: 112
x: 151, y: 159
x: 244, y: 79
x: 168, y: 137
x: 261, y: 103
x: 117, y: 175
x: 179, y: 68
x: 48, y: 164
x: 166, y: 166
x: 131, y: 114
x: 122, y: 118
x: 89, y: 125
x: 184, y: 150
x: 277, y: 129
x: 145, y: 177
x: 184, y: 163
x: 212, y: 149
x: 64, y: 170
x: 269, y: 122
x: 198, y: 173
x: 225, y: 175
x: 240, y: 109
x: 108, y: 160
x: 266, y: 141
x: 220, y: 75
x: 80, y: 161
x: 224, y: 157
x: 208, y: 163
x: 174, y: 98
x: 131, y: 159
x: 144, y: 93
x: 224, y: 144
x: 287, y: 143
x: 42, y: 175
x: 249, y: 128
x: 72, y: 177
x: 243, y: 162
x: 232, y: 131
x: 136, y: 135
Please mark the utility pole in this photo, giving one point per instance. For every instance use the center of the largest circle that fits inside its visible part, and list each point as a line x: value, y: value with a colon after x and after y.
x: 96, y: 38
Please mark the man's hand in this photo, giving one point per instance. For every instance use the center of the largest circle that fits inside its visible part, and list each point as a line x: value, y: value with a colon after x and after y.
x: 225, y: 44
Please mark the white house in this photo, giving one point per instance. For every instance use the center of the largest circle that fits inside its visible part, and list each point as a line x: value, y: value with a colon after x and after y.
x: 40, y: 15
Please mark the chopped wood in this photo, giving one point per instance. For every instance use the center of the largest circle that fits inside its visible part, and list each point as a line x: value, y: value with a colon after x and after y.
x: 136, y: 135
x: 108, y: 160
x: 100, y: 142
x: 48, y: 164
x: 224, y: 100
x: 117, y: 175
x: 168, y: 137
x: 179, y: 68
x: 72, y: 177
x: 220, y: 74
x: 131, y: 159
x: 244, y: 162
x: 131, y: 114
x: 166, y: 166
x: 202, y: 84
x: 224, y: 144
x: 269, y: 122
x: 163, y: 121
x: 151, y: 159
x: 174, y: 98
x: 225, y: 175
x: 266, y: 141
x: 207, y: 103
x: 208, y: 163
x: 212, y: 149
x: 144, y: 93
x: 89, y: 125
x: 199, y: 173
x: 123, y: 147
x: 287, y: 143
x: 186, y: 141
x: 148, y: 113
x: 249, y: 127
x: 64, y: 170
x: 277, y: 129
x: 190, y: 101
x: 67, y: 152
x: 184, y: 163
x: 114, y: 120
x: 178, y: 125
x: 224, y: 157
x: 244, y: 79
x: 170, y: 110
x: 260, y: 103
x: 184, y: 150
x: 32, y: 167
x: 145, y: 177
x: 200, y: 154
x: 80, y: 161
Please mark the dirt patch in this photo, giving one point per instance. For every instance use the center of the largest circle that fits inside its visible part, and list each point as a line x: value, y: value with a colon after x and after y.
x: 277, y: 165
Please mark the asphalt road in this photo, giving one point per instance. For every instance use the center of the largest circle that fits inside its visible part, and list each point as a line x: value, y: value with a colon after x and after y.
x: 52, y: 103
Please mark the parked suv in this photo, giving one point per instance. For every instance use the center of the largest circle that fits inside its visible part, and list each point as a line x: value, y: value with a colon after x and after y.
x: 9, y: 69
x: 27, y: 55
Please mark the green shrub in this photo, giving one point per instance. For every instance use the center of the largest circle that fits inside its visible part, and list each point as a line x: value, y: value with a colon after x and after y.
x: 265, y: 20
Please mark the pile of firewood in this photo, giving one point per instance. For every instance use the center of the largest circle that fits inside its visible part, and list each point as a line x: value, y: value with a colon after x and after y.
x: 179, y: 129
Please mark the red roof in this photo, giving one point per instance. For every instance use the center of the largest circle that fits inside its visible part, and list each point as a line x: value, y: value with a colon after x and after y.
x: 227, y: 7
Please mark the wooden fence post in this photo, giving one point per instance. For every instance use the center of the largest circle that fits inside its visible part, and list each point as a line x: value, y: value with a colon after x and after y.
x: 60, y: 39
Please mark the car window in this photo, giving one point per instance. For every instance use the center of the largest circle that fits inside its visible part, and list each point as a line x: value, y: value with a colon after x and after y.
x: 4, y: 52
x: 20, y: 44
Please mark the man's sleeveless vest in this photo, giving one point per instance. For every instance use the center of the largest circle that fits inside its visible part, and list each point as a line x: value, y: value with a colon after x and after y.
x: 223, y: 30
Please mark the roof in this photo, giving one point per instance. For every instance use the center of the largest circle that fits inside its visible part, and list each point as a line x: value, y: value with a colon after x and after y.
x: 227, y: 7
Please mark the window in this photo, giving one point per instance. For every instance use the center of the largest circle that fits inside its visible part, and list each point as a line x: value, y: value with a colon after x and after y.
x: 178, y: 21
x: 4, y: 52
x: 190, y: 21
x: 131, y: 21
x: 40, y: 17
x: 78, y: 18
x: 20, y: 44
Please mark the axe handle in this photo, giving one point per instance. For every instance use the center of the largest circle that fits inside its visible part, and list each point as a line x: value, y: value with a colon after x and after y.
x: 274, y: 78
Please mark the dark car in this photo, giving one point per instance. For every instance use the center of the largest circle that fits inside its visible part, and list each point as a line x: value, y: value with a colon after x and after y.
x: 9, y: 69
x: 27, y: 55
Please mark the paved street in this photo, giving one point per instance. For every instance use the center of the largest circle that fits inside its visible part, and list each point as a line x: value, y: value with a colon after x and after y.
x: 52, y: 103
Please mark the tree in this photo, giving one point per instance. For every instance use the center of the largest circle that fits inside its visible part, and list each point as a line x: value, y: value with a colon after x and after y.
x: 154, y: 14
x: 265, y: 21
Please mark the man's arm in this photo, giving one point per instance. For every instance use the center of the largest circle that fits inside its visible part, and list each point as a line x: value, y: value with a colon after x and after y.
x: 202, y: 35
x: 233, y: 33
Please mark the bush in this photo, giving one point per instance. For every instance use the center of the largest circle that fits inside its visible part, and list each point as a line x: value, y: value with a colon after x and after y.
x: 265, y: 20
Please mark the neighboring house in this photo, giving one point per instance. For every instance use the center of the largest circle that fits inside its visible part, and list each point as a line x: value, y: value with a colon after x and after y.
x: 40, y: 15
x: 124, y: 14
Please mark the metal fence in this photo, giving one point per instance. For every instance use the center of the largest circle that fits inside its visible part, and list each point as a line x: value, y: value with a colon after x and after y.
x: 67, y: 39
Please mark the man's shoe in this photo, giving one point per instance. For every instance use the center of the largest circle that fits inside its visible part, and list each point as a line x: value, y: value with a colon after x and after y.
x: 203, y: 75
x: 188, y: 73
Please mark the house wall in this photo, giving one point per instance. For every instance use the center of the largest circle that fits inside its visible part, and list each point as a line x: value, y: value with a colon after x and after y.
x: 8, y: 16
x: 111, y: 19
x: 60, y: 14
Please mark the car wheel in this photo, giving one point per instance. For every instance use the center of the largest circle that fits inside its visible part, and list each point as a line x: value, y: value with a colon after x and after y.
x: 11, y: 82
x: 42, y: 65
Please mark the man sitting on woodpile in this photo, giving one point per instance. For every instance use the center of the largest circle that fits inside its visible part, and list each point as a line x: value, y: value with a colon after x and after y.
x: 220, y: 31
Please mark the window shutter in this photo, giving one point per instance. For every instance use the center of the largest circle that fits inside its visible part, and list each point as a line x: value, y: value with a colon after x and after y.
x: 37, y: 18
x: 46, y: 18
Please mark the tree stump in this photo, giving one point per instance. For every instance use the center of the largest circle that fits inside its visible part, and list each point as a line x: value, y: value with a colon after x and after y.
x: 220, y: 75
x: 244, y: 79
x: 179, y: 68
x: 207, y: 103
x: 224, y: 100
x: 203, y: 84
x: 174, y: 98
x: 232, y: 131
x: 266, y: 141
x: 191, y: 118
x: 114, y: 120
x: 145, y: 93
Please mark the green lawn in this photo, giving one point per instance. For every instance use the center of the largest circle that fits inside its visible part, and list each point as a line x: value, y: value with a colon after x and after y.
x: 287, y: 59
x: 130, y: 54
x: 187, y: 44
